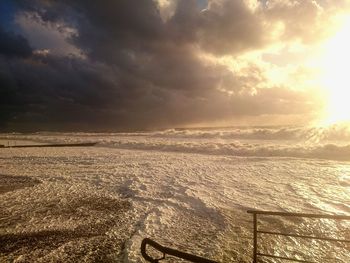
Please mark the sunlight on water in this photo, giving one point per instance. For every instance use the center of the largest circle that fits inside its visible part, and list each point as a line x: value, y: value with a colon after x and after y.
x: 187, y: 189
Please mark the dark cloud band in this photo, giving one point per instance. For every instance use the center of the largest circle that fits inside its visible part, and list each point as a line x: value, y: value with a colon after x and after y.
x: 139, y: 71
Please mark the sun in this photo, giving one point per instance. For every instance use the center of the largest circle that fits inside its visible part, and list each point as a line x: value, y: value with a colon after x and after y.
x: 336, y: 76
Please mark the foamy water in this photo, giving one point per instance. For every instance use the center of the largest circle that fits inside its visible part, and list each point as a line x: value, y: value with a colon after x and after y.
x: 188, y: 189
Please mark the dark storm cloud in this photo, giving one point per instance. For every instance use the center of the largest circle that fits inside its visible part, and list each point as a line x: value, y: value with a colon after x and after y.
x: 59, y: 91
x: 12, y: 45
x: 230, y: 27
x: 138, y: 71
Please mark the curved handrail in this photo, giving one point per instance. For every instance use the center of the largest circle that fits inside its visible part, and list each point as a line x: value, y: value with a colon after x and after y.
x: 169, y: 251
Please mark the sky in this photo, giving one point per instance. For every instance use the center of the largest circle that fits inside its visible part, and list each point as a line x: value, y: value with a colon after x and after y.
x: 152, y: 64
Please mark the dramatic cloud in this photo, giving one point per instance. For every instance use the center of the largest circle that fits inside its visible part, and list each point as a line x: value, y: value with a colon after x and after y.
x: 12, y: 45
x: 135, y: 64
x: 42, y: 35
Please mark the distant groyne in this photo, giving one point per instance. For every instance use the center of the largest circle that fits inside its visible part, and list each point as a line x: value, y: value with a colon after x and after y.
x: 87, y: 144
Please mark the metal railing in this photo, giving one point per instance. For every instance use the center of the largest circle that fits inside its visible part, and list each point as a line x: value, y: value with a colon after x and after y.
x: 169, y: 251
x: 255, y: 214
x: 193, y: 258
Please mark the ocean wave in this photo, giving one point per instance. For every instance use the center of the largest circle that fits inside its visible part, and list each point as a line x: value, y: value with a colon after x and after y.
x: 332, y: 143
x: 313, y: 134
x: 328, y: 151
x: 338, y: 132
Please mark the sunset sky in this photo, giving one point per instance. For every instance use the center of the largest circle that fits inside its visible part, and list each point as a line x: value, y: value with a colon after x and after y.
x: 151, y: 64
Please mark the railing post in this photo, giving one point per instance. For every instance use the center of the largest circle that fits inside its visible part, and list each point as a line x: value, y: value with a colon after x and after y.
x: 255, y: 248
x: 255, y: 213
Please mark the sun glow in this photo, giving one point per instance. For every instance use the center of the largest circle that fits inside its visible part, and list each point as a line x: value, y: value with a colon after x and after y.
x: 336, y: 76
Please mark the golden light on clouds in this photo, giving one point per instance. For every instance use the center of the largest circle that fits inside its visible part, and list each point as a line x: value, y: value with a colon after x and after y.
x: 176, y: 63
x: 336, y: 76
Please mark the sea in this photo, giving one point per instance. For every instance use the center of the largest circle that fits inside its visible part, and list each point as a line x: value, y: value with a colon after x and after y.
x: 187, y: 189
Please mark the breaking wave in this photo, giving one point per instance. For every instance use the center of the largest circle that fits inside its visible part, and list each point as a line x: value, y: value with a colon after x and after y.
x: 332, y: 143
x: 328, y: 151
x: 314, y: 134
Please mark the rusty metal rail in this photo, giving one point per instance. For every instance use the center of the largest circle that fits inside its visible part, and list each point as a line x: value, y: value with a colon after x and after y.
x: 170, y: 252
x: 255, y: 214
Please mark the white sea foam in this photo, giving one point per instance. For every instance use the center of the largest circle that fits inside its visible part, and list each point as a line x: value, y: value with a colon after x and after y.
x: 188, y: 189
x: 331, y: 143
